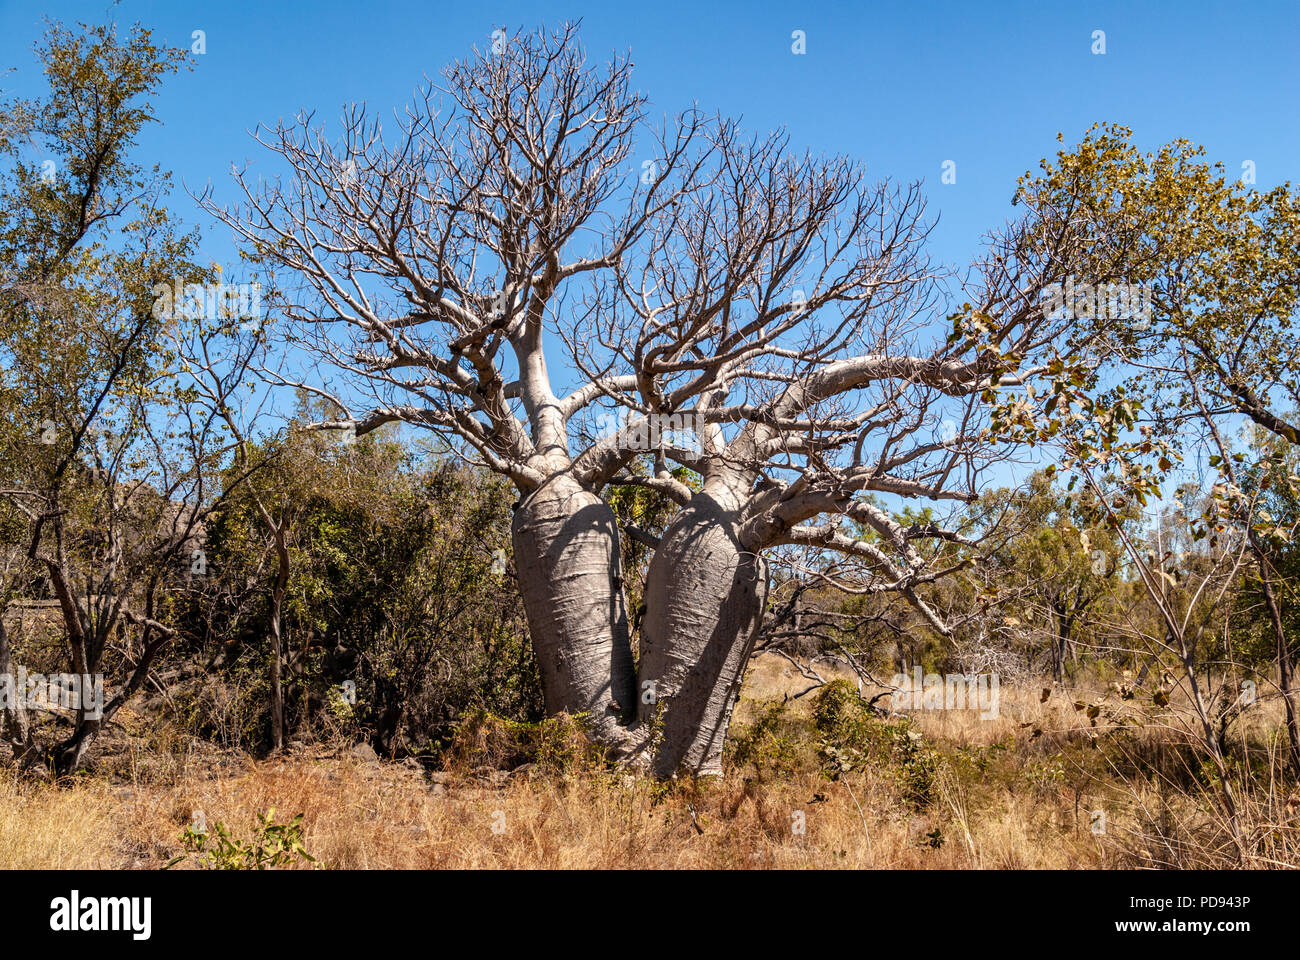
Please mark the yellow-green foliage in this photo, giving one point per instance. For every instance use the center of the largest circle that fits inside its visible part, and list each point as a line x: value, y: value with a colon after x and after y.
x: 273, y: 845
x: 842, y: 735
x: 853, y: 735
x: 776, y: 743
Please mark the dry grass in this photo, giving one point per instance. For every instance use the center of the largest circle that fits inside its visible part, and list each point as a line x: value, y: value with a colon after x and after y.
x: 384, y: 816
x: 999, y: 794
x: 41, y: 826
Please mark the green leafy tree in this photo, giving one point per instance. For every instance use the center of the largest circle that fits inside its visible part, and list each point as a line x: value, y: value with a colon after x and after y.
x: 1219, y: 262
x: 105, y: 449
x: 391, y: 583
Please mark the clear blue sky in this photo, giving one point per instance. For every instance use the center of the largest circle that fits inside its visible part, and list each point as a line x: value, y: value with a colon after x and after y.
x: 903, y: 86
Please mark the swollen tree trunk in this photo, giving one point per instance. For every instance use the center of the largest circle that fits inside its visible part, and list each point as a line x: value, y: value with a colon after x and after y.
x: 705, y: 596
x: 571, y: 579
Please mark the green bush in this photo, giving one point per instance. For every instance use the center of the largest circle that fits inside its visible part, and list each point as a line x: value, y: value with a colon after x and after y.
x: 853, y: 735
x: 274, y: 845
x: 775, y: 743
x: 400, y: 587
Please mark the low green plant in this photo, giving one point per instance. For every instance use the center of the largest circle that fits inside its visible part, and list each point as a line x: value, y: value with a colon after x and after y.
x: 559, y: 744
x: 853, y: 735
x: 273, y: 846
x: 774, y: 743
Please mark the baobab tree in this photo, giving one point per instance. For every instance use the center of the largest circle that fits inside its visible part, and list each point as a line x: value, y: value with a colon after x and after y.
x: 777, y: 308
x: 787, y: 313
x: 431, y: 265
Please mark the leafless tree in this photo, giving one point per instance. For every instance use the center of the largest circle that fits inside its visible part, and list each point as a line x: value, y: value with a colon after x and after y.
x: 432, y: 266
x: 776, y: 309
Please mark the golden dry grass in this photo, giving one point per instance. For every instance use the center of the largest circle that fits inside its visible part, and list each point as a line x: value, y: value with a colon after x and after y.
x: 41, y: 826
x: 1005, y: 796
x: 383, y: 816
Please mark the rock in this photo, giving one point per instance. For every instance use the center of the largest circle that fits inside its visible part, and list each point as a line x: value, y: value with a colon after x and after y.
x: 364, y: 752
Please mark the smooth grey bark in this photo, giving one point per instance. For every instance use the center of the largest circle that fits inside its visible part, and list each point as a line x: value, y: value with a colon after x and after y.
x: 705, y: 597
x: 570, y: 576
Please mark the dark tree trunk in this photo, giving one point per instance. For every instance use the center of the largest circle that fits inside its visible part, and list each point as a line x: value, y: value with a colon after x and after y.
x: 13, y: 719
x: 1284, y: 665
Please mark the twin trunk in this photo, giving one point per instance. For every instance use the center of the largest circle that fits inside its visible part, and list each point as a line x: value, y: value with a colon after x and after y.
x: 705, y: 597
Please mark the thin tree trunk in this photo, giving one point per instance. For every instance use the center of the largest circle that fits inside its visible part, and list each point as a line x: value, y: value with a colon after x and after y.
x: 72, y: 750
x: 275, y: 639
x: 13, y: 720
x: 1284, y: 665
x: 277, y: 688
x: 1058, y: 646
x: 571, y: 580
x: 705, y: 598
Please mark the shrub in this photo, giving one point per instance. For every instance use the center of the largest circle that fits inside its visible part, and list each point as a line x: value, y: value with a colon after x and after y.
x: 774, y: 743
x: 853, y: 735
x: 273, y: 845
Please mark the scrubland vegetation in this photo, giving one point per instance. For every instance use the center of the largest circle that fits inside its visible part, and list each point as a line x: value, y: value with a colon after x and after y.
x: 930, y: 791
x: 366, y: 589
